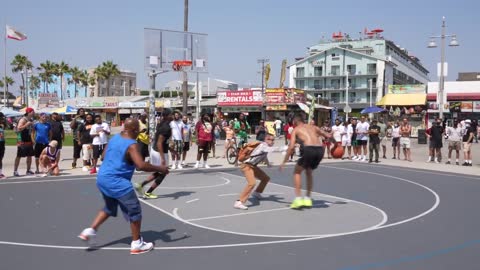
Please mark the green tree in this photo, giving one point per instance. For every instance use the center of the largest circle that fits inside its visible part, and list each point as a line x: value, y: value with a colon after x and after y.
x: 105, y: 72
x: 5, y: 82
x: 34, y: 85
x: 61, y: 69
x: 76, y: 78
x: 47, y: 69
x: 21, y: 63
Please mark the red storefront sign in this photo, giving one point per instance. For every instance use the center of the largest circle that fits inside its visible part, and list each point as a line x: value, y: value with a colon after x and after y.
x: 240, y: 98
x: 275, y: 96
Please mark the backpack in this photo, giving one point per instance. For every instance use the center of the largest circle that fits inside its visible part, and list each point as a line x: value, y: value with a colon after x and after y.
x: 247, y: 150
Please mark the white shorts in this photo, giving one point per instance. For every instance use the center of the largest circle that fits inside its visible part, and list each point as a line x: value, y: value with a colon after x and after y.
x: 156, y: 159
x: 346, y: 142
x: 405, y: 142
x: 385, y: 141
x: 87, y: 150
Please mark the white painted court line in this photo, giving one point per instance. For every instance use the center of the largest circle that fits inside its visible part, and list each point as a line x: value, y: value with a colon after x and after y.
x: 264, y: 193
x: 227, y: 181
x: 194, y: 200
x: 48, y: 180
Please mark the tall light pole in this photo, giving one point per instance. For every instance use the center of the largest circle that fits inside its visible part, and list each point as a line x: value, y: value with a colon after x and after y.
x: 185, y: 78
x: 263, y: 61
x: 441, y: 82
x: 371, y: 86
x: 347, y: 108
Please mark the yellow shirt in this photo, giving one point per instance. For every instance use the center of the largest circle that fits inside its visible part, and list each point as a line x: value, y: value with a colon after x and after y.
x: 143, y: 136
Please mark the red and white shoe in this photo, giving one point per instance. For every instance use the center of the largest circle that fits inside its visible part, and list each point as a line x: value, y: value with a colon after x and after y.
x: 141, y: 247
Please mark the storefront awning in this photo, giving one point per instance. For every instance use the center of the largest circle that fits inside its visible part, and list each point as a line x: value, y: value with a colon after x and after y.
x: 403, y: 100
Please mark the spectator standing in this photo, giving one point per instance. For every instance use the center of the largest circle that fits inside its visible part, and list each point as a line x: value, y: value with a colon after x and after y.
x: 42, y: 133
x: 362, y: 138
x: 58, y: 133
x: 187, y: 138
x: 454, y: 141
x: 374, y: 132
x: 204, y: 131
x: 467, y: 143
x: 347, y: 138
x: 326, y: 143
x: 436, y: 141
x: 76, y: 122
x: 99, y: 133
x: 143, y: 139
x: 85, y: 141
x: 229, y: 137
x: 176, y: 142
x: 405, y: 131
x: 2, y: 143
x: 383, y: 137
x: 396, y: 140
x: 261, y: 131
x: 278, y: 127
x: 24, y: 141
x: 288, y: 130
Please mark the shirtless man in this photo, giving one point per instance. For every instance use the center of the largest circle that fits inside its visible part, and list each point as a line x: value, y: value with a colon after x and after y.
x: 311, y: 152
x: 405, y: 130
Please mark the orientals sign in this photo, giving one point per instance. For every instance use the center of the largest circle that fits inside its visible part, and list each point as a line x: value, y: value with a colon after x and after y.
x: 240, y: 98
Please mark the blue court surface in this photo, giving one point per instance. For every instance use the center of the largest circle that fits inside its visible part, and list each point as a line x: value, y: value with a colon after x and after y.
x: 364, y: 217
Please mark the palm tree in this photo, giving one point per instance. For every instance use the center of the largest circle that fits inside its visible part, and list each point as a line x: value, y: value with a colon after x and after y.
x: 91, y: 81
x: 21, y: 63
x: 61, y: 69
x: 34, y: 85
x: 5, y: 83
x: 47, y: 70
x: 76, y: 78
x: 106, y: 71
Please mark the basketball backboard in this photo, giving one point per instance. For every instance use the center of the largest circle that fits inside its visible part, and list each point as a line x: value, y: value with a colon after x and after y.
x: 163, y: 47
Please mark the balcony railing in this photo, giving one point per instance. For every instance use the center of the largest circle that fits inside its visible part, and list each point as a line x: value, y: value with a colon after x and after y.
x: 335, y: 74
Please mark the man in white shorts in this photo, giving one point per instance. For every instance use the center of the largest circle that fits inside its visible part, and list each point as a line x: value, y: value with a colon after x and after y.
x: 405, y: 130
x: 362, y: 138
x: 347, y: 138
x: 158, y: 155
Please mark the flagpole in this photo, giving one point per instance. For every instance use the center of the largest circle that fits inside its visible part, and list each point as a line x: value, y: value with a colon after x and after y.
x: 5, y: 69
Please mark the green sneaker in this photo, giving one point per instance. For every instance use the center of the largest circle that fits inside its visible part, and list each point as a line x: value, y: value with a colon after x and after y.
x: 307, y: 203
x: 149, y: 196
x: 138, y: 188
x: 296, y: 204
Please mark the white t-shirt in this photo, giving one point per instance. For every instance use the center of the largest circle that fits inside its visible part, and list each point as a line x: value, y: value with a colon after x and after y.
x: 278, y: 124
x: 454, y: 134
x: 99, y: 129
x: 349, y: 132
x: 396, y: 132
x: 337, y: 131
x: 362, y: 128
x: 187, y: 132
x: 177, y: 127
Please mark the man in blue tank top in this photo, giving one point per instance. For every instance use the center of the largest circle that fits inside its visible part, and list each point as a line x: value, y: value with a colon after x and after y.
x: 114, y: 182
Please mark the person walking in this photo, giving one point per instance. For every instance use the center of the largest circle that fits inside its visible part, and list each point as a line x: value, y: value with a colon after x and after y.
x: 374, y: 132
x: 203, y: 129
x: 242, y: 128
x: 76, y: 122
x: 58, y: 132
x: 311, y: 152
x: 229, y: 138
x: 288, y: 130
x: 187, y: 138
x: 176, y: 143
x: 158, y: 156
x: 42, y: 133
x: 24, y: 141
x: 99, y: 133
x: 251, y: 171
x: 114, y: 183
x: 467, y: 143
x: 2, y: 144
x: 278, y: 127
x: 454, y: 141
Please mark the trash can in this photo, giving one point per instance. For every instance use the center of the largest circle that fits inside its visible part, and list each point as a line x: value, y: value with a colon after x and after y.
x: 422, y: 136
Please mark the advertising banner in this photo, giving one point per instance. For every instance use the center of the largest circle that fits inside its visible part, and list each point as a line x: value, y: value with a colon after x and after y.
x: 476, y: 106
x: 276, y: 107
x: 240, y: 98
x: 48, y: 100
x: 466, y: 106
x: 407, y: 89
x: 275, y: 96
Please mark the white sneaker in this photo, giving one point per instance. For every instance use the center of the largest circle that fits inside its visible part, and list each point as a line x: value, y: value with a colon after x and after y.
x: 85, y: 169
x: 354, y: 158
x: 183, y: 163
x: 196, y: 165
x: 173, y: 167
x: 88, y: 235
x: 206, y: 166
x: 180, y: 166
x: 257, y: 195
x: 364, y: 159
x: 240, y: 205
x: 141, y: 247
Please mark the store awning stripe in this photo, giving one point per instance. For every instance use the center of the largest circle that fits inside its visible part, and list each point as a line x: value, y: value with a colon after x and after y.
x: 403, y: 100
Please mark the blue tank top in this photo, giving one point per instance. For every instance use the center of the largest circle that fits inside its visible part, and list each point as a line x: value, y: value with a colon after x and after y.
x: 116, y: 172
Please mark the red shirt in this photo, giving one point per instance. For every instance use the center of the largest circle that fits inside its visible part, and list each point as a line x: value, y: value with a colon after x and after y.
x: 204, y: 131
x: 288, y: 129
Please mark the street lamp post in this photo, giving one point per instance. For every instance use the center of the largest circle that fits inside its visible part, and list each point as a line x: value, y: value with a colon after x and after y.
x: 441, y: 82
x: 371, y: 82
x: 263, y: 61
x: 347, y: 108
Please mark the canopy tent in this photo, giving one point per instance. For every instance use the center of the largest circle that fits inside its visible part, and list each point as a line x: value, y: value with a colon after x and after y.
x: 10, y: 113
x: 66, y: 110
x: 372, y: 109
x: 403, y: 100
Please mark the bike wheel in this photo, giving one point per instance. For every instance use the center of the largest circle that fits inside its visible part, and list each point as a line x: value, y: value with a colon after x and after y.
x: 232, y: 155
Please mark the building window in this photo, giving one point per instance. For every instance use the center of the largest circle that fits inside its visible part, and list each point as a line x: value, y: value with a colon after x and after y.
x: 317, y: 72
x: 352, y: 69
x: 335, y: 71
x: 352, y: 97
x: 335, y: 97
x: 371, y: 68
x: 317, y: 84
x: 335, y: 84
x: 300, y: 72
x: 113, y: 82
x: 300, y: 84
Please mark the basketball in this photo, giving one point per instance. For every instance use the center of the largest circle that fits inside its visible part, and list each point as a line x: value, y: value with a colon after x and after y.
x: 337, y: 151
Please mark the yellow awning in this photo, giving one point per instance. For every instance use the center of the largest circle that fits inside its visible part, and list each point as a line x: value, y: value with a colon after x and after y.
x: 403, y: 100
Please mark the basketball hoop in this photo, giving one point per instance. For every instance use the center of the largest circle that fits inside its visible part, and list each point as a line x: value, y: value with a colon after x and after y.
x: 180, y: 64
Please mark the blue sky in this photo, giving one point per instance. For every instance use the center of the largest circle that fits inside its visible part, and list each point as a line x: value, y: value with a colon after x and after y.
x: 86, y: 33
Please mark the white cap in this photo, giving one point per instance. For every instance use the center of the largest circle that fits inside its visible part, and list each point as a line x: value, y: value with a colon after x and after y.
x: 53, y: 143
x: 468, y: 121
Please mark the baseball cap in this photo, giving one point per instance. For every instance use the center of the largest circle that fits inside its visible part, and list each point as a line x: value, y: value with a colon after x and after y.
x: 29, y: 110
x: 53, y: 143
x: 468, y: 121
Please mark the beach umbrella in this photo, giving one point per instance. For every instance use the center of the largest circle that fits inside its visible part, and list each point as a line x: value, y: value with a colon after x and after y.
x: 372, y: 109
x: 10, y: 113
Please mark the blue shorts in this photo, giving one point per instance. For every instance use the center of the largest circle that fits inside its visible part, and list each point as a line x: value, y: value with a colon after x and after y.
x: 129, y: 204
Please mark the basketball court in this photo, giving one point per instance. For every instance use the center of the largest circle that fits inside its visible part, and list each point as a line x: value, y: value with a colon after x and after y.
x: 364, y: 217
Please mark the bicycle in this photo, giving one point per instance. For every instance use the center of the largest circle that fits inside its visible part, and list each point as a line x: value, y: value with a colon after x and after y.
x: 234, y: 149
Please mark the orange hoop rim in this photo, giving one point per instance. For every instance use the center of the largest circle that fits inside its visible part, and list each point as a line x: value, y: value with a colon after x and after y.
x: 179, y: 64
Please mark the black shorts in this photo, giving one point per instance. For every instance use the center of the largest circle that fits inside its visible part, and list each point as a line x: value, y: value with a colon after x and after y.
x: 2, y: 149
x: 361, y: 142
x: 435, y: 144
x: 25, y: 151
x: 310, y: 156
x: 204, y: 146
x: 39, y: 148
x: 143, y: 149
x: 396, y: 142
x: 98, y: 150
x: 76, y: 149
x: 186, y: 146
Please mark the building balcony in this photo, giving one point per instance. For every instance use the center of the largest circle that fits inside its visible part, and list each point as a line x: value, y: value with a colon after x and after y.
x: 339, y: 88
x: 336, y: 75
